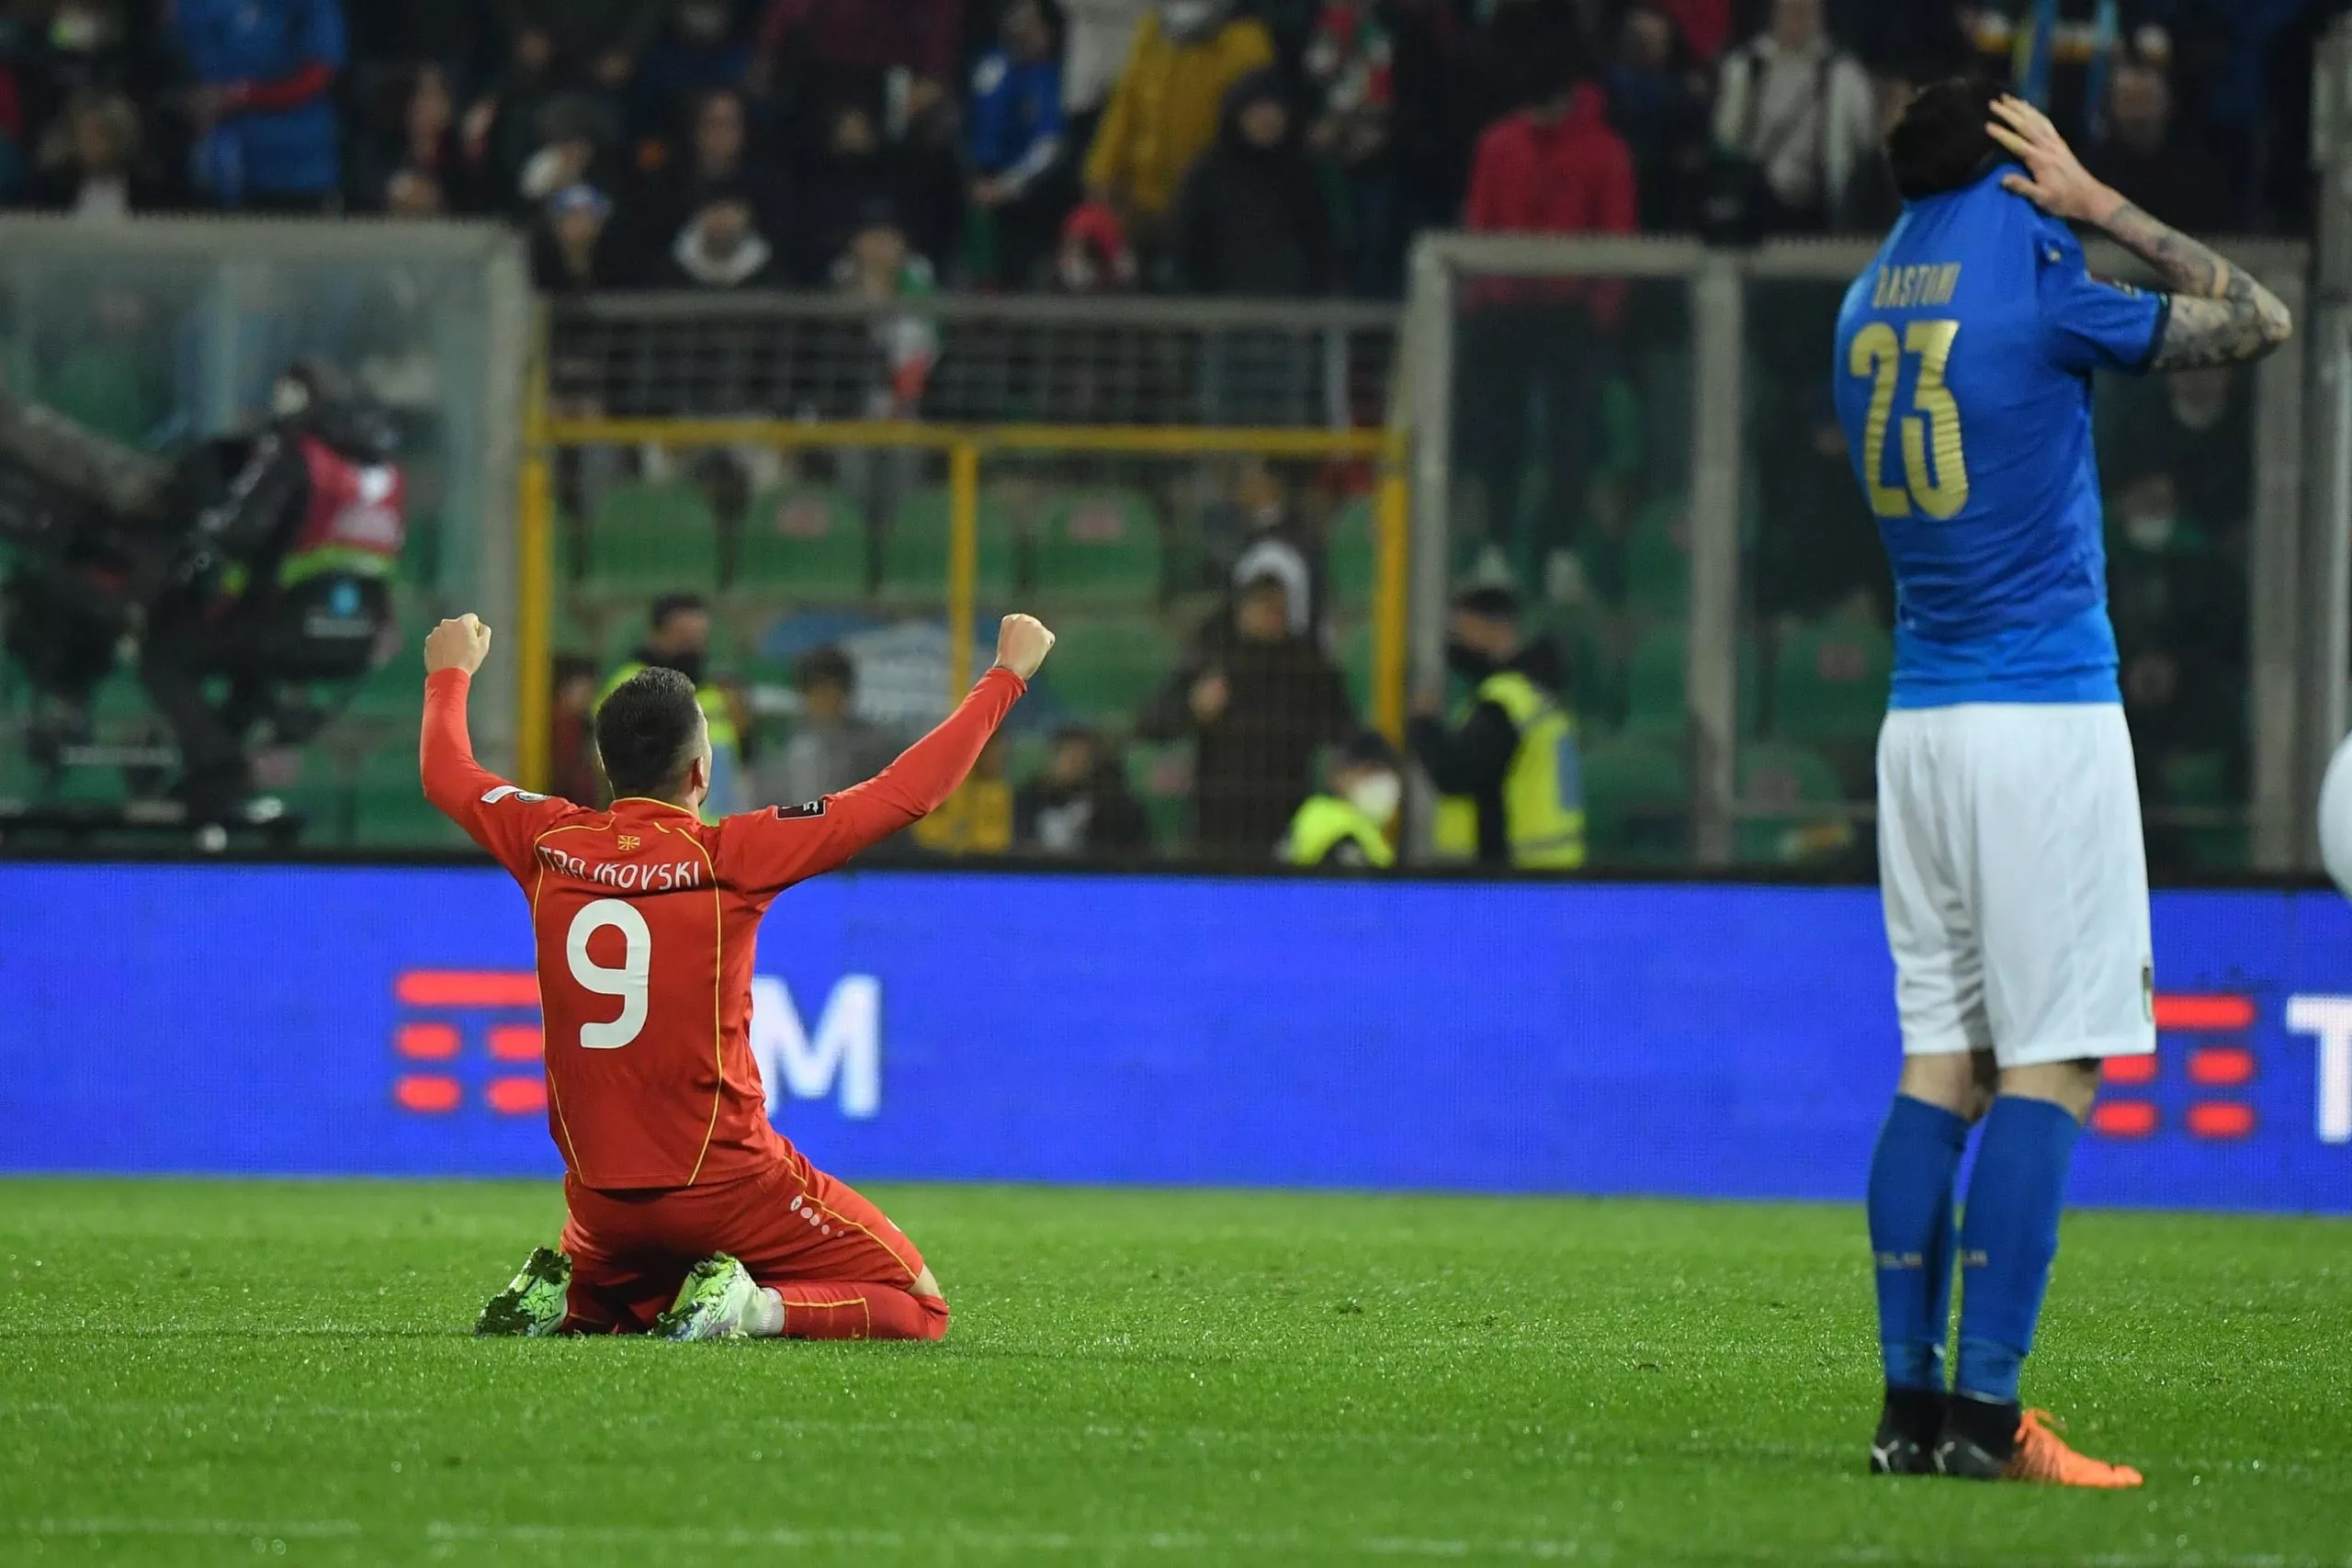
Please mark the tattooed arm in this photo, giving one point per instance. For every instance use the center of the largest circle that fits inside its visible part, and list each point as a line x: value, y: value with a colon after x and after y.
x: 2220, y: 314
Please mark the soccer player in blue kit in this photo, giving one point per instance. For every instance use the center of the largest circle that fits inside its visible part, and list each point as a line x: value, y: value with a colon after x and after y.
x: 2009, y: 851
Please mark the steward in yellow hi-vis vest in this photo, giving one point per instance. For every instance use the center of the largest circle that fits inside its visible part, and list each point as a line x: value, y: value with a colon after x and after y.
x: 1346, y: 826
x: 678, y: 636
x: 1510, y: 770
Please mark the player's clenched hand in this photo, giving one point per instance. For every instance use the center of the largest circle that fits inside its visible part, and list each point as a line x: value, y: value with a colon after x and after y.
x: 2054, y: 180
x: 461, y: 644
x: 1021, y: 644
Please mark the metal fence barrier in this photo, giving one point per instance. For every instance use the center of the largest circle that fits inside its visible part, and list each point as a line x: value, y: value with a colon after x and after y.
x: 1638, y: 434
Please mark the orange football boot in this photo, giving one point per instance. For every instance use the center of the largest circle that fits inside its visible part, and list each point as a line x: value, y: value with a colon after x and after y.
x: 2036, y: 1454
x: 2043, y: 1456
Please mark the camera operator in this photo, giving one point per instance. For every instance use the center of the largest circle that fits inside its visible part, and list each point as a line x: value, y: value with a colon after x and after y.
x: 286, y: 576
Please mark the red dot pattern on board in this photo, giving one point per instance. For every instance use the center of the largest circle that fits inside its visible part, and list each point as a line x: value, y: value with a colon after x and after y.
x: 468, y: 989
x: 428, y: 1092
x: 2221, y: 1119
x: 2124, y: 1118
x: 2205, y: 1014
x: 516, y: 1097
x: 2221, y: 1065
x: 514, y: 1041
x: 2129, y: 1069
x: 427, y: 1042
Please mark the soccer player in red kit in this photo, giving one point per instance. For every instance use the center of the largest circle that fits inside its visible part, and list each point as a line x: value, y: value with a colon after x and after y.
x: 679, y: 1194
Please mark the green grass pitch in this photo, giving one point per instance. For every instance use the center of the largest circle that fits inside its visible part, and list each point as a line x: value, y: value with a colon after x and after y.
x: 209, y: 1372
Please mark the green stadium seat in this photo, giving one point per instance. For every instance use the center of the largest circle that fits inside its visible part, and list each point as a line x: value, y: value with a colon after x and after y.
x: 1356, y: 649
x: 119, y: 702
x: 388, y: 807
x: 1104, y: 669
x: 573, y: 631
x: 393, y: 692
x: 1658, y: 559
x: 1829, y: 683
x: 92, y: 786
x: 915, y: 549
x: 99, y: 386
x: 1100, y: 547
x: 1636, y: 799
x: 1026, y: 757
x: 1656, y: 709
x: 420, y: 563
x: 2199, y: 780
x: 804, y: 544
x: 20, y: 779
x: 1788, y: 779
x: 1351, y: 560
x: 1160, y: 772
x: 646, y: 538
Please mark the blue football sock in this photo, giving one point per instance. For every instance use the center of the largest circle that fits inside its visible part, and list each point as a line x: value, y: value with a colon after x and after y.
x: 1911, y: 1239
x: 2008, y: 1239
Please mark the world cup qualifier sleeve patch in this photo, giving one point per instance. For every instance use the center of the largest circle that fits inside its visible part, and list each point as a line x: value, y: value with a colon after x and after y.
x: 807, y: 809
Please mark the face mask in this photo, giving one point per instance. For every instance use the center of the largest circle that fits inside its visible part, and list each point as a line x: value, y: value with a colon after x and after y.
x: 1467, y: 661
x: 2149, y: 532
x: 1377, y: 797
x: 688, y: 664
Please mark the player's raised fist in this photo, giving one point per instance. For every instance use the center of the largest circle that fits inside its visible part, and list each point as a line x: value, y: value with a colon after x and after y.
x: 1021, y: 644
x: 462, y: 643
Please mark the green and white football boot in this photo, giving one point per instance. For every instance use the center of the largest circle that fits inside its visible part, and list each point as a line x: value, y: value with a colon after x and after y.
x: 716, y: 1301
x: 531, y: 1306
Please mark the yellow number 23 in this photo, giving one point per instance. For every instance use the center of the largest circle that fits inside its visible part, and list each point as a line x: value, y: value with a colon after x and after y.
x: 1938, y: 488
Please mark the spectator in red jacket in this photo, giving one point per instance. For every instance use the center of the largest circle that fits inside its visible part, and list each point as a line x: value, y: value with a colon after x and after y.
x: 1705, y: 25
x: 850, y: 48
x: 1556, y: 168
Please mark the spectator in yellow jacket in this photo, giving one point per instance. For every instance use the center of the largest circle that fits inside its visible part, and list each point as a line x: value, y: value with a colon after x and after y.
x: 1163, y: 114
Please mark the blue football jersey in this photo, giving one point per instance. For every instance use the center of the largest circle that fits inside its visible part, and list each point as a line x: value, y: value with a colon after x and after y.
x: 1964, y: 380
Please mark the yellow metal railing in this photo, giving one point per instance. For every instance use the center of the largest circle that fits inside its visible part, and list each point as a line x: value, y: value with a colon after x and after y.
x: 966, y: 445
x: 535, y: 589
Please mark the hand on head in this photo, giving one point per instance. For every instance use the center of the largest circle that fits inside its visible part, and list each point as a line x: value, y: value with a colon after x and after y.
x: 2054, y: 180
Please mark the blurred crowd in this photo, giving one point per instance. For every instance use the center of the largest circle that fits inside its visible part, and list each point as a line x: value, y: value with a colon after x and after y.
x: 1267, y: 148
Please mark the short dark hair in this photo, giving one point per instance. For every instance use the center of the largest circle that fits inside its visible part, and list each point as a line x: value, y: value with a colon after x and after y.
x: 827, y: 666
x: 658, y: 613
x: 1491, y: 603
x: 644, y: 730
x: 1940, y: 143
x: 1368, y: 749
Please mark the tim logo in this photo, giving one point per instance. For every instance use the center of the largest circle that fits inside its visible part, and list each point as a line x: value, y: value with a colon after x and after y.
x: 2208, y: 1040
x: 450, y: 1020
x: 474, y: 1034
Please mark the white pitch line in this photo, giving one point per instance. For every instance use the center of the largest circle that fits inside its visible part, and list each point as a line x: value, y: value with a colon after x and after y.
x: 442, y: 1532
x: 264, y: 1529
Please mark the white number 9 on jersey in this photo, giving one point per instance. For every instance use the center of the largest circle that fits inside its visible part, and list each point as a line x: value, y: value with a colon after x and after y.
x: 627, y: 982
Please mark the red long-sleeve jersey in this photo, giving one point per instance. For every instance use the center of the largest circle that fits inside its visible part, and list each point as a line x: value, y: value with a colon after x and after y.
x: 645, y: 920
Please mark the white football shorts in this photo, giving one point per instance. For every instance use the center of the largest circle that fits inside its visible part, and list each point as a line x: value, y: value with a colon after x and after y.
x: 2016, y: 882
